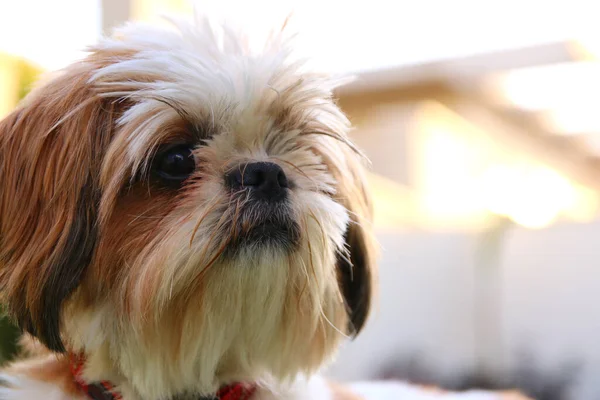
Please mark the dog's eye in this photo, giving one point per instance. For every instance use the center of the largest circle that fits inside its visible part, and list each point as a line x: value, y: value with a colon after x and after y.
x: 175, y: 164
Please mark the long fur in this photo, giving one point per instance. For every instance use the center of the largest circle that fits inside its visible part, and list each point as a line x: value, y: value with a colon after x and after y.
x: 151, y: 283
x: 97, y: 260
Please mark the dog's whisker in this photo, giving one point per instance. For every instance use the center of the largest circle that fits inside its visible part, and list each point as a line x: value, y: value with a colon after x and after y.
x: 312, y: 215
x: 207, y: 245
x: 312, y: 181
x: 69, y: 115
x: 213, y: 204
x: 310, y: 257
x: 304, y: 284
x: 335, y: 328
x: 215, y: 257
x: 143, y: 216
x: 339, y: 138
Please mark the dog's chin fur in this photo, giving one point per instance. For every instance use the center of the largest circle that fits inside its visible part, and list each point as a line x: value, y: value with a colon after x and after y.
x: 174, y: 290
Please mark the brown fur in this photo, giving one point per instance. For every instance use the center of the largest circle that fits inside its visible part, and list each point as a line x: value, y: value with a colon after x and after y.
x: 48, y: 190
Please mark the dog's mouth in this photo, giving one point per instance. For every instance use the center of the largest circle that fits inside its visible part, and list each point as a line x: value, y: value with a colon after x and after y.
x: 264, y: 225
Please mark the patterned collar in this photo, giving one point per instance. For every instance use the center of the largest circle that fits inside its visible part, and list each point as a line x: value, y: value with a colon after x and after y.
x: 104, y: 390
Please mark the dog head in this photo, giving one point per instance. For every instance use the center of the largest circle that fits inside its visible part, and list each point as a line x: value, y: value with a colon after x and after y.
x: 185, y: 211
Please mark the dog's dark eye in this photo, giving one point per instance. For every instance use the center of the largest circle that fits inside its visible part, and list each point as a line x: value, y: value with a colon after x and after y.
x: 175, y: 164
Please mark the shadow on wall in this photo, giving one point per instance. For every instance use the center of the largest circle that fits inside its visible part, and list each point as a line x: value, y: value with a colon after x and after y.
x: 530, y: 377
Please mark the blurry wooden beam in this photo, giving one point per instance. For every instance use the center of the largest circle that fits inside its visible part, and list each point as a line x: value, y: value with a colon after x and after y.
x: 413, y: 91
x: 454, y: 83
x: 523, y: 132
x: 449, y: 70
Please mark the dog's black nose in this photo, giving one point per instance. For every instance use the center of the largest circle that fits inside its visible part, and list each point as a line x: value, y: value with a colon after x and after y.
x: 266, y: 180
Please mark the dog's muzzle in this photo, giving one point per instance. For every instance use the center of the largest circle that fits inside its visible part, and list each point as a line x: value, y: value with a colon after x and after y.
x: 265, y: 217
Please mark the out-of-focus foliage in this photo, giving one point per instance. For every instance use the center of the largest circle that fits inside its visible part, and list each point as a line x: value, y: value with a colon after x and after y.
x: 27, y: 74
x: 8, y: 337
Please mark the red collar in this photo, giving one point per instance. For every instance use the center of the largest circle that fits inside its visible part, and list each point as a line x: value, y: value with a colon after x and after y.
x: 104, y: 390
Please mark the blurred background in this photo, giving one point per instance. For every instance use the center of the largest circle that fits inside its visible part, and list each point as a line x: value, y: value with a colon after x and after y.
x: 481, y: 119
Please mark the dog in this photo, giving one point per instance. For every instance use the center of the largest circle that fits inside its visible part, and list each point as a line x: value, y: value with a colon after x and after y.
x: 183, y: 217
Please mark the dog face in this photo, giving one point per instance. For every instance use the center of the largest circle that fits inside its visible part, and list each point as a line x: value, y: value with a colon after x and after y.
x: 185, y: 211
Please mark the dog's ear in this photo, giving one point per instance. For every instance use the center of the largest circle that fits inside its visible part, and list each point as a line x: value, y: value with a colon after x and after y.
x: 356, y: 277
x: 49, y: 149
x: 356, y: 263
x: 357, y: 267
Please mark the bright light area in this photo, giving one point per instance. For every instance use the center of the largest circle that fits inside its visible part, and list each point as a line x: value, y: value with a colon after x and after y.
x: 549, y: 87
x: 381, y: 33
x: 567, y: 94
x: 531, y: 196
x: 448, y: 187
x: 463, y: 179
x: 394, y: 205
x: 51, y: 33
x: 346, y: 36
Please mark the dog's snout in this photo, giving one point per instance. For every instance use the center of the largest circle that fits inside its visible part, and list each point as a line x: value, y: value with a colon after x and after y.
x: 264, y: 179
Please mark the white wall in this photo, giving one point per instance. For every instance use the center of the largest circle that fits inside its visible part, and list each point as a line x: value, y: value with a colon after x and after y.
x: 425, y: 289
x: 552, y: 297
x: 550, y: 282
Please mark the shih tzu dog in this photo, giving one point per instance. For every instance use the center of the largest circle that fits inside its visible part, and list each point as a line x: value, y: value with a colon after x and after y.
x: 183, y: 218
